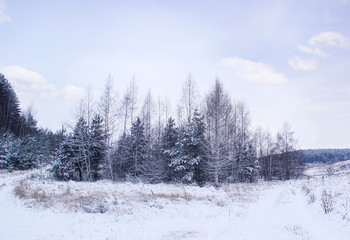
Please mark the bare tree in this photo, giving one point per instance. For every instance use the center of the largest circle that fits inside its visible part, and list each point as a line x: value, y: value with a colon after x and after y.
x: 290, y: 164
x: 189, y: 99
x: 108, y: 109
x: 133, y: 99
x: 147, y: 113
x: 89, y: 105
x: 218, y: 111
x: 129, y: 105
x: 126, y: 105
x: 243, y: 122
x: 167, y: 108
x: 265, y: 148
x: 160, y: 124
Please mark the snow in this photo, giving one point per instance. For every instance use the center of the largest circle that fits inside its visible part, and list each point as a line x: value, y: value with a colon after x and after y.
x: 266, y: 210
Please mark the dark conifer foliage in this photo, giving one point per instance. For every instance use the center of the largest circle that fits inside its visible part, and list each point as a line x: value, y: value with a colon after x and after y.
x: 249, y: 165
x: 81, y: 155
x: 10, y: 113
x: 121, y: 158
x: 170, y: 138
x: 138, y: 150
x: 188, y: 154
x: 23, y: 144
x: 98, y: 148
x: 325, y: 155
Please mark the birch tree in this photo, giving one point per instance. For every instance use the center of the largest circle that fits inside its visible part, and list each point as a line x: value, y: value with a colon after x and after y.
x: 218, y: 111
x: 290, y: 164
x: 108, y: 110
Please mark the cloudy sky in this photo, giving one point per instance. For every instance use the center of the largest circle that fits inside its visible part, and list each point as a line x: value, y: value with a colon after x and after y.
x: 288, y: 60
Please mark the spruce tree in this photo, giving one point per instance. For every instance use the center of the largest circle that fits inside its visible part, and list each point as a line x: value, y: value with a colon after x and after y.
x: 121, y: 158
x: 98, y: 148
x: 189, y: 151
x: 170, y: 137
x: 249, y: 165
x: 138, y: 147
x: 10, y: 113
x: 64, y: 168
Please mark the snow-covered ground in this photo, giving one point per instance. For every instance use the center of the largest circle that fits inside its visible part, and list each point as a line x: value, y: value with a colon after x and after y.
x: 35, y: 207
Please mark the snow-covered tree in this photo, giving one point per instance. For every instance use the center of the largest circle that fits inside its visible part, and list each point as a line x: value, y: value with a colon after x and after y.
x: 98, y: 148
x: 64, y: 167
x: 139, y: 144
x: 290, y: 165
x: 170, y: 137
x: 10, y: 113
x: 121, y: 158
x: 249, y: 165
x: 218, y: 116
x: 108, y: 110
x: 189, y: 150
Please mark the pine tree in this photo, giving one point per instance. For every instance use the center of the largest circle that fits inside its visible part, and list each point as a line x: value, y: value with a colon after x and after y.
x: 73, y: 160
x: 81, y: 149
x: 188, y: 153
x: 64, y: 168
x: 170, y: 137
x: 200, y: 146
x: 139, y: 144
x: 98, y: 148
x: 10, y: 113
x: 8, y: 147
x: 122, y: 160
x: 249, y: 165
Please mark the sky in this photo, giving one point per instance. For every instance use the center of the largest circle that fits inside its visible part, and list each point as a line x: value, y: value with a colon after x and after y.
x: 287, y: 60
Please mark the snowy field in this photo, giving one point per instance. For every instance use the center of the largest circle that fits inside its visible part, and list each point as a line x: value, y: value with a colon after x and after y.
x: 34, y: 207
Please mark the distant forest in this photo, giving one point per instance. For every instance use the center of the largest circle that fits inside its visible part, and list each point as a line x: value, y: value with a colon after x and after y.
x: 325, y: 155
x: 206, y: 139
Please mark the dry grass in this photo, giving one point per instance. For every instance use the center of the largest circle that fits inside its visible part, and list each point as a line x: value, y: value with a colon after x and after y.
x: 120, y: 197
x: 36, y: 195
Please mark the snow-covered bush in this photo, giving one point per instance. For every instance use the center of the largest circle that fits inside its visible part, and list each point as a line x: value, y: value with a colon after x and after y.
x: 327, y: 201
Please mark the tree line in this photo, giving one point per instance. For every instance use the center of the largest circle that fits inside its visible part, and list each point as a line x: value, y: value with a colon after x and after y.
x: 325, y: 155
x: 205, y: 139
x: 22, y: 144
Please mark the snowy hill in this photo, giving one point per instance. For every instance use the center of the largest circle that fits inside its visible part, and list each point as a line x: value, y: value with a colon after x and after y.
x: 328, y: 169
x: 38, y: 208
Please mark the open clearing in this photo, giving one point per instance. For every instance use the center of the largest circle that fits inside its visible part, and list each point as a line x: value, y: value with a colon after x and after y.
x: 35, y: 207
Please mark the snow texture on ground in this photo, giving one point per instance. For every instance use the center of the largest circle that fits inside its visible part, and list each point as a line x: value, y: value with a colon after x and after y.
x: 35, y: 207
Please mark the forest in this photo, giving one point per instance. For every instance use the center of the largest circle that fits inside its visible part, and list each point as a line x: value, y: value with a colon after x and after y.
x: 210, y: 139
x: 325, y: 155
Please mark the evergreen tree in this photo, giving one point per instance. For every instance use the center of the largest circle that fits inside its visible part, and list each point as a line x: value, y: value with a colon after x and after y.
x: 98, y: 148
x: 122, y: 160
x: 81, y: 149
x: 64, y: 168
x: 189, y: 151
x: 10, y: 114
x: 170, y: 137
x: 138, y: 151
x: 249, y: 165
x: 8, y: 148
x: 200, y: 146
x: 129, y: 158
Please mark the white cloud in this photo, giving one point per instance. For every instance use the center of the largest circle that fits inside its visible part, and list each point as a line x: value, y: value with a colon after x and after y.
x: 3, y: 16
x: 332, y: 39
x: 310, y: 50
x: 254, y: 71
x: 72, y: 92
x: 33, y: 84
x: 301, y: 64
x: 27, y: 79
